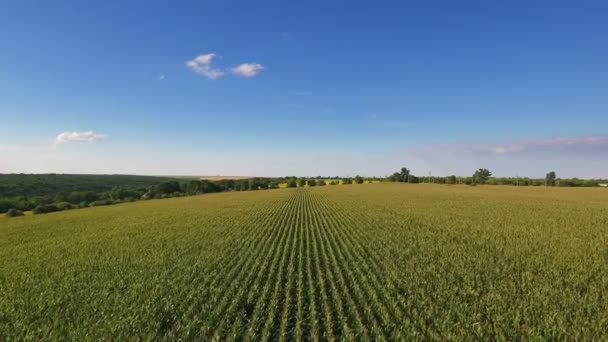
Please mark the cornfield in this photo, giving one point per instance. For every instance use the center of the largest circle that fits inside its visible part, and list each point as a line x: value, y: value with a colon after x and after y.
x: 381, y: 261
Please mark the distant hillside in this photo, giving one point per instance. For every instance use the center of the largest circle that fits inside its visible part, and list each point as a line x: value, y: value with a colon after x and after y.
x: 12, y: 185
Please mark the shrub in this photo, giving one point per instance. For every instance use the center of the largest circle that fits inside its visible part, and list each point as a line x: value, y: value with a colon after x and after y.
x: 65, y: 206
x: 45, y: 208
x: 12, y: 212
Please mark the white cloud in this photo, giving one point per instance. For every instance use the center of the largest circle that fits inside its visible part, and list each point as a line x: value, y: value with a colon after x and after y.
x: 161, y: 77
x: 68, y: 137
x: 247, y: 69
x: 202, y: 65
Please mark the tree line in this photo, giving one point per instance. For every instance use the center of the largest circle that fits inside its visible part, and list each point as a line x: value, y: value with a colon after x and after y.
x: 50, y: 193
x: 484, y: 176
x: 46, y: 200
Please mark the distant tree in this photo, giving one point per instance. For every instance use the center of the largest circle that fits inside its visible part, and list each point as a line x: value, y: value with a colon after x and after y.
x: 451, y: 179
x: 404, y: 174
x: 481, y: 176
x: 358, y: 179
x: 65, y: 206
x: 121, y: 193
x: 12, y: 212
x: 45, y: 208
x: 395, y: 177
x: 312, y: 182
x: 194, y: 186
x: 291, y: 183
x: 165, y: 188
x: 77, y: 197
x: 550, y: 178
x: 301, y: 182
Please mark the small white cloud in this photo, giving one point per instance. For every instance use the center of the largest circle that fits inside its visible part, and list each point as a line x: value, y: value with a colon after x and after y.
x: 247, y: 69
x: 68, y: 137
x: 202, y: 65
x: 161, y: 77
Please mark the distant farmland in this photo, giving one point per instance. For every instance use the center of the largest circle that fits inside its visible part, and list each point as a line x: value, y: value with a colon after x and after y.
x: 218, y: 178
x: 368, y: 261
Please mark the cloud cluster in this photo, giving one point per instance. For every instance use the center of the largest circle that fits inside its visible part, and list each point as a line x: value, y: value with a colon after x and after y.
x: 68, y: 137
x: 247, y: 69
x: 202, y: 65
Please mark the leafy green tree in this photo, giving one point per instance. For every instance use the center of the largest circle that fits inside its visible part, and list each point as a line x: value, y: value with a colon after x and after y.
x: 194, y: 186
x: 12, y: 212
x: 395, y: 177
x: 451, y: 179
x: 358, y: 179
x: 301, y: 182
x: 550, y: 178
x: 404, y: 174
x: 481, y: 176
x: 291, y: 183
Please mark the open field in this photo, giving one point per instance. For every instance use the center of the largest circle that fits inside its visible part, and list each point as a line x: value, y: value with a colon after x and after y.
x: 219, y: 178
x: 357, y: 262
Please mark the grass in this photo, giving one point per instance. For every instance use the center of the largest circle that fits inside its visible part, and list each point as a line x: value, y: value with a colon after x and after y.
x: 368, y: 261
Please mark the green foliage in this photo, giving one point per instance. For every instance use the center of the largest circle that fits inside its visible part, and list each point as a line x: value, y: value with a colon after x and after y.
x: 167, y: 187
x: 14, y: 212
x: 402, y: 176
x: 45, y: 208
x: 65, y: 206
x: 101, y: 203
x: 481, y: 176
x: 13, y: 185
x: 550, y: 178
x: 194, y: 187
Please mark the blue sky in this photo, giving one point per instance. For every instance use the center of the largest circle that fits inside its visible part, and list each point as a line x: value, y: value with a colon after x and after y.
x: 304, y: 88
